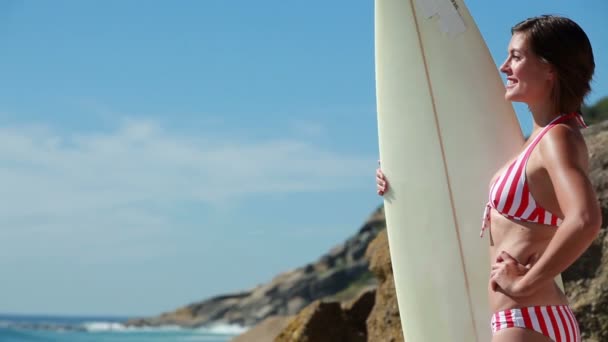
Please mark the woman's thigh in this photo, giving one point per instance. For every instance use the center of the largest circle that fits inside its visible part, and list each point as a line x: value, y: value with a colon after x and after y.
x: 519, y: 335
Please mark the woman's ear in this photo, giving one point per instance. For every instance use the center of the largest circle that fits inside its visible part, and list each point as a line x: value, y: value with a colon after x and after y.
x: 551, y: 73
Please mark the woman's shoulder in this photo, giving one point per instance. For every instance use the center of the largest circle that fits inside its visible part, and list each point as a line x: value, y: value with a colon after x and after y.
x: 564, y: 142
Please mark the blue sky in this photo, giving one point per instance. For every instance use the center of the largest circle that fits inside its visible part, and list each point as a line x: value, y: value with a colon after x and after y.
x: 158, y: 153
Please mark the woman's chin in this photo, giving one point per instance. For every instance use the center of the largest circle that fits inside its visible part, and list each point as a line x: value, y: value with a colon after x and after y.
x: 509, y: 96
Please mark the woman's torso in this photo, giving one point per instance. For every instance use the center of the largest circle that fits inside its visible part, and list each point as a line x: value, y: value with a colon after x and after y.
x: 526, y: 241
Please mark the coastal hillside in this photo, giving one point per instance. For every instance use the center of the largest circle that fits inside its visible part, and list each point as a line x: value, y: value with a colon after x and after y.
x: 339, y: 274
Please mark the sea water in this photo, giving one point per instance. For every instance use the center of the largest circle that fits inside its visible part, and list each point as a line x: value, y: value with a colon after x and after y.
x: 22, y: 328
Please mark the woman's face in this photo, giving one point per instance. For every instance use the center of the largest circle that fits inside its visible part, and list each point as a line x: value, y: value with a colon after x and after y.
x: 529, y: 79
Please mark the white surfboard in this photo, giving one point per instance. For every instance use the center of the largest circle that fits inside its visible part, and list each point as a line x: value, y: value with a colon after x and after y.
x: 444, y: 129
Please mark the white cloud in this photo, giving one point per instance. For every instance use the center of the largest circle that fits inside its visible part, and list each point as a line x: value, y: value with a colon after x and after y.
x: 110, y: 198
x: 44, y: 173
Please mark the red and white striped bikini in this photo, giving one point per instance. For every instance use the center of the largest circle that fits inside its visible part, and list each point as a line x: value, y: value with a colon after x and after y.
x: 511, y: 197
x: 557, y: 322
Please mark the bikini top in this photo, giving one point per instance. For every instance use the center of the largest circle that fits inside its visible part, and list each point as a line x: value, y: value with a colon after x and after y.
x: 510, y: 195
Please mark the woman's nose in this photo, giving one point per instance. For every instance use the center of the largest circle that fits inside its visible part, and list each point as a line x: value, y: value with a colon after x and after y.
x: 504, y: 67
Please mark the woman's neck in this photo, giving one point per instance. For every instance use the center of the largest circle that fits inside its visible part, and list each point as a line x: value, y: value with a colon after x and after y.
x: 542, y: 114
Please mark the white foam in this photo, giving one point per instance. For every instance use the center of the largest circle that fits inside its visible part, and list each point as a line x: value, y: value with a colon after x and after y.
x: 114, y: 326
x: 224, y: 329
x: 103, y: 326
x: 215, y: 329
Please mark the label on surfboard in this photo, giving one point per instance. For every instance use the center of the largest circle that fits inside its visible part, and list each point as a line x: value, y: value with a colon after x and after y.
x: 450, y: 20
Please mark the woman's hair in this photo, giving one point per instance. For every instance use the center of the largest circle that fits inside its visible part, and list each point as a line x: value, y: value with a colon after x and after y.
x: 564, y: 45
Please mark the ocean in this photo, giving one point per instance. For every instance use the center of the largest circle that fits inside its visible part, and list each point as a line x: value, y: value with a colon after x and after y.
x: 26, y: 328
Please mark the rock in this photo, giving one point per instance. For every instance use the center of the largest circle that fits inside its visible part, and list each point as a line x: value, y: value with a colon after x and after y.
x: 321, y: 322
x: 195, y: 315
x: 266, y: 331
x: 597, y: 141
x: 379, y: 257
x: 586, y: 281
x: 357, y: 310
x: 384, y: 322
x: 331, y: 321
x: 296, y: 304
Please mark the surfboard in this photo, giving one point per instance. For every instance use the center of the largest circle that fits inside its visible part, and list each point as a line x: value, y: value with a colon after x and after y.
x: 444, y: 128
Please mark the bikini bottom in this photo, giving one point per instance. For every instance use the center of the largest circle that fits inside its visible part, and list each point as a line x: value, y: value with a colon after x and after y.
x: 557, y: 322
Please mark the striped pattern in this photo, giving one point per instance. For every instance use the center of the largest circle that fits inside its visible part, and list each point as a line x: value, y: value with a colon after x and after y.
x: 510, y: 194
x: 556, y: 322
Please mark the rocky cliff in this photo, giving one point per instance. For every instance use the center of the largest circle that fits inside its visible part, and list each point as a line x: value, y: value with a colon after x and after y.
x: 586, y: 281
x: 339, y: 274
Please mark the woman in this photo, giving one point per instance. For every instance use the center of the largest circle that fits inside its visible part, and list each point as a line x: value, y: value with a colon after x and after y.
x: 543, y: 212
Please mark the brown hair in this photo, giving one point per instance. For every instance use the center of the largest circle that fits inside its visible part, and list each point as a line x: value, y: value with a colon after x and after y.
x: 564, y: 45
